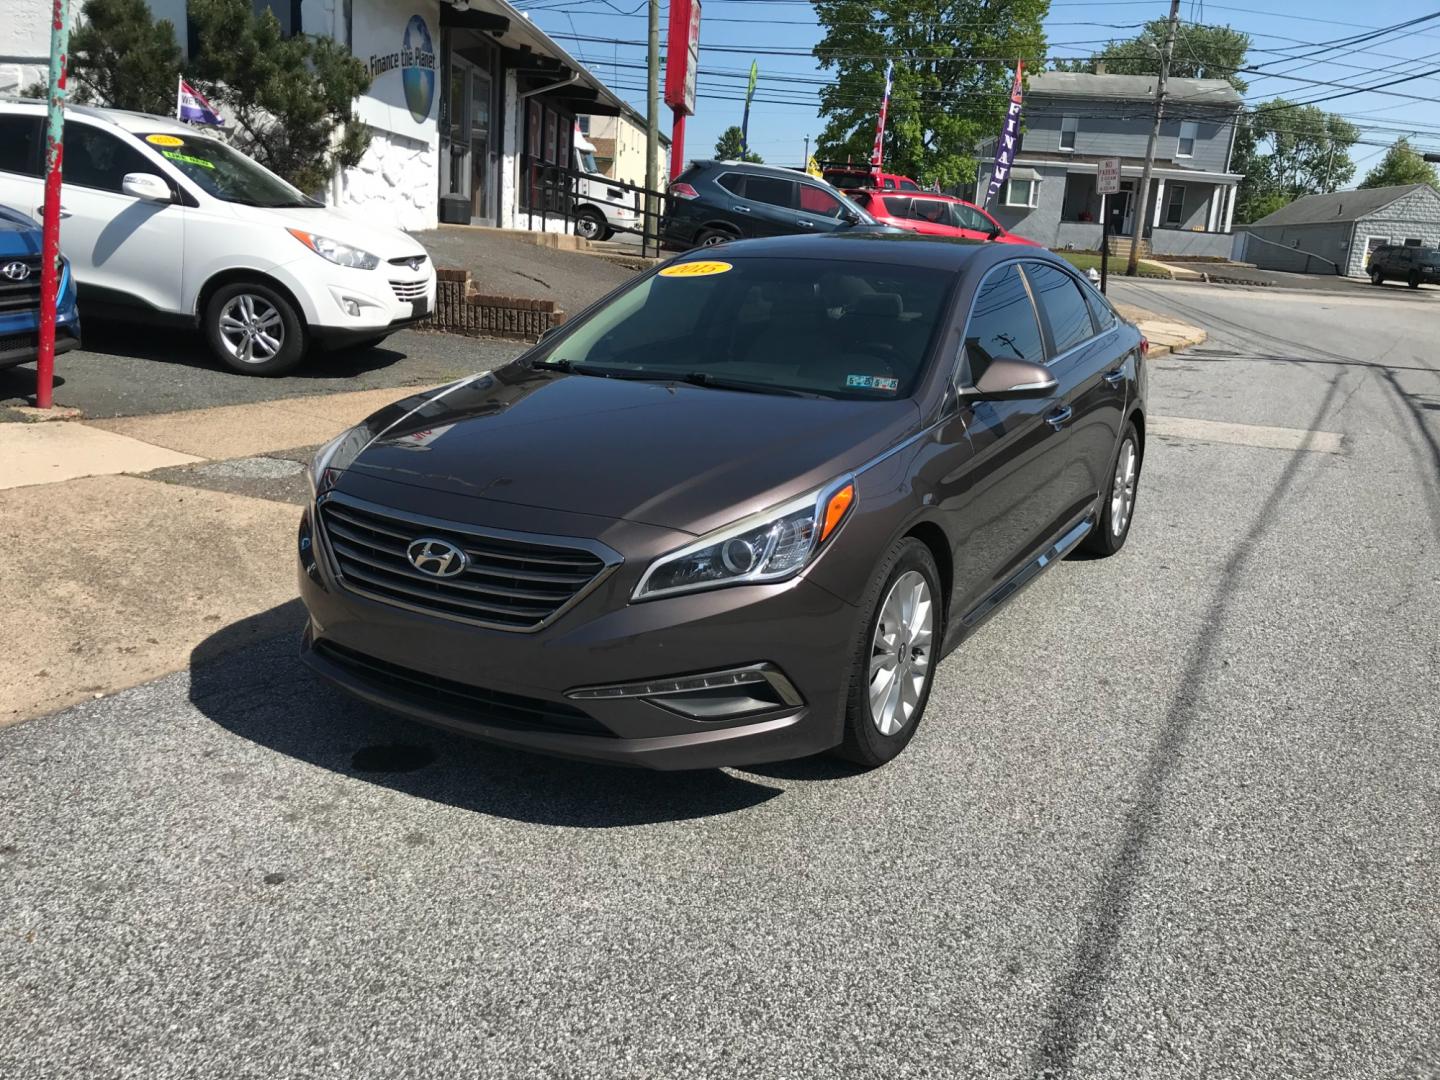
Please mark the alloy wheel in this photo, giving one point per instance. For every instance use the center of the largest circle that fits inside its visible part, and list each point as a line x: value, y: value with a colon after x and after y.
x: 900, y: 652
x: 1122, y: 488
x: 714, y: 238
x: 251, y: 328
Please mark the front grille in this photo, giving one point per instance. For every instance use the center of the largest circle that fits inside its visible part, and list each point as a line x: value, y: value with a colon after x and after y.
x: 465, y: 702
x: 20, y: 295
x: 510, y: 582
x: 409, y: 290
x: 17, y: 342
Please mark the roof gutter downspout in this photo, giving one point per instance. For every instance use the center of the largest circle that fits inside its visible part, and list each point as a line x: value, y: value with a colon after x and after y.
x: 569, y: 80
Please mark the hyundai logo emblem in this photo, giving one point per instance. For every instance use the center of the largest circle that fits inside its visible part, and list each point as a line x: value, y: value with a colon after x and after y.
x: 438, y: 558
x: 15, y: 271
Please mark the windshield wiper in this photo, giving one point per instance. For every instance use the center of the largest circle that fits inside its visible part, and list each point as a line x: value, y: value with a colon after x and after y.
x: 704, y: 378
x: 570, y: 367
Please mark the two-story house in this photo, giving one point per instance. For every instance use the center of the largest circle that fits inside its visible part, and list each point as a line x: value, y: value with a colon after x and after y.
x: 1073, y: 120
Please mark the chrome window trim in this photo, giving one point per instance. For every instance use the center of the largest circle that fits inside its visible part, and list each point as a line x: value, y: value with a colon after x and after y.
x: 607, y: 555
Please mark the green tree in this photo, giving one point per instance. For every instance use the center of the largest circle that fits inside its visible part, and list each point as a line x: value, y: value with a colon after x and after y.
x: 292, y: 100
x: 728, y: 147
x: 1402, y: 164
x: 123, y: 58
x: 948, y: 93
x: 1297, y: 150
x: 1200, y: 52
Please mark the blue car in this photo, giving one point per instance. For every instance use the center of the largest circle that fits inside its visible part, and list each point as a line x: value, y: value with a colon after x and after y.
x: 20, y: 262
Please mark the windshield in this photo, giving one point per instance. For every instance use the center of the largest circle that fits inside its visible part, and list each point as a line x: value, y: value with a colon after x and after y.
x: 225, y: 173
x: 835, y: 329
x: 587, y: 161
x: 1430, y: 258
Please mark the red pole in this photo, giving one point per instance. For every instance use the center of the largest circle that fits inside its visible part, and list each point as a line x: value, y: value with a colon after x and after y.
x: 54, y: 153
x: 677, y: 143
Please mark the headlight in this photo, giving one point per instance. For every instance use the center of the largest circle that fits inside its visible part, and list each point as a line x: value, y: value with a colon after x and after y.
x: 772, y: 545
x: 338, y: 253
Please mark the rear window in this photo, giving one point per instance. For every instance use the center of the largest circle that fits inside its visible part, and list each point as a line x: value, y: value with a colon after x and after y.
x: 772, y: 190
x: 833, y: 328
x: 20, y: 145
x: 1062, y: 304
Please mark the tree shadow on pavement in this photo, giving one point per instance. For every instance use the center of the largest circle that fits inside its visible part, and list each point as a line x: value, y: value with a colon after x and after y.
x: 188, y: 348
x: 249, y: 679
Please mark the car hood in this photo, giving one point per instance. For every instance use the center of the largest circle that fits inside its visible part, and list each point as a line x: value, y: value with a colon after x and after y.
x: 18, y: 234
x: 382, y: 240
x: 668, y: 454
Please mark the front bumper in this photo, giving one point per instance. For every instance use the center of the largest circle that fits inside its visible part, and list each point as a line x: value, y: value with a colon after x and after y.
x: 23, y: 347
x: 514, y: 688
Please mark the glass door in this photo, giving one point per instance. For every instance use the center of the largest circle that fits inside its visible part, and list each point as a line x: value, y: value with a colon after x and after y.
x: 457, y: 168
x: 479, y: 102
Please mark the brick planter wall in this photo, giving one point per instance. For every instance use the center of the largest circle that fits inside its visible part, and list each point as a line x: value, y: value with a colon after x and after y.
x: 460, y: 310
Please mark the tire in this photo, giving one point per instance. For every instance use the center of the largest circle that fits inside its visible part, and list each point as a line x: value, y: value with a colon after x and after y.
x: 890, y: 598
x: 1376, y: 277
x: 242, y: 306
x: 590, y: 225
x: 1414, y: 280
x: 711, y: 237
x: 1108, y: 535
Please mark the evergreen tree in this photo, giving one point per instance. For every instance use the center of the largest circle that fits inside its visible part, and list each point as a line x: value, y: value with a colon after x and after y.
x: 949, y: 92
x: 123, y: 58
x: 728, y: 147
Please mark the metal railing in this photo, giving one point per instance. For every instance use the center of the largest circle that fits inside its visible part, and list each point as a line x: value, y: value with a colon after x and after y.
x: 553, y: 192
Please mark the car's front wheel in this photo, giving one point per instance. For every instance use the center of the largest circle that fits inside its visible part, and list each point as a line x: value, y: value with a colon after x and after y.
x: 1414, y: 279
x: 1376, y: 277
x: 893, y: 662
x: 254, y: 329
x: 590, y: 225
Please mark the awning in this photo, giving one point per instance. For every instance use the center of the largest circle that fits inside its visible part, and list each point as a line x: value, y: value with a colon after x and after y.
x: 1024, y: 174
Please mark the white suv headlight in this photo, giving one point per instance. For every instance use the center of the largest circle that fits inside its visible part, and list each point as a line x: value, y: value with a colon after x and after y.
x: 772, y: 545
x: 338, y: 253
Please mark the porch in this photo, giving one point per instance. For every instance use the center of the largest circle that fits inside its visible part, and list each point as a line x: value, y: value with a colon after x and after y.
x: 1186, y: 215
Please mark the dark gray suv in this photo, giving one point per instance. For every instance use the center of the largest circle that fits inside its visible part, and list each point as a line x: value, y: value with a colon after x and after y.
x: 737, y: 511
x: 1409, y: 263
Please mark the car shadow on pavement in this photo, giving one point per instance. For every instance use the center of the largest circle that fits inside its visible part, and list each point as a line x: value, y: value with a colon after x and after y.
x: 249, y: 679
x: 187, y: 348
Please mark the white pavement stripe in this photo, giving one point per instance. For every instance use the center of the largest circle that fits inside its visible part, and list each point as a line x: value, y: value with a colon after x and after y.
x: 51, y: 452
x: 1273, y: 438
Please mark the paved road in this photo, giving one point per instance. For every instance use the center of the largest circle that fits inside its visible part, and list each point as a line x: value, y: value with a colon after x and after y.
x: 129, y: 370
x: 1172, y: 814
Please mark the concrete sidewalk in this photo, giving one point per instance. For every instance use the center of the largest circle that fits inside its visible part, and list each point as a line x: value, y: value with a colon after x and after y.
x: 129, y: 540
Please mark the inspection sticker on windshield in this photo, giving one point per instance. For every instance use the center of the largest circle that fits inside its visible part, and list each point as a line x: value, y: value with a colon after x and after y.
x: 696, y: 269
x: 187, y: 159
x: 164, y: 140
x: 872, y: 382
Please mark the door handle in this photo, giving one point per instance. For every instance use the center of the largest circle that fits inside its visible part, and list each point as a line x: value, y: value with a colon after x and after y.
x: 805, y: 224
x: 40, y: 212
x: 1056, y: 417
x: 1116, y: 377
x: 741, y: 209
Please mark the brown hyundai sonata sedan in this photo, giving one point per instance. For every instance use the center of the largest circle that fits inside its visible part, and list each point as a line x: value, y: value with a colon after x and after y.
x: 735, y: 512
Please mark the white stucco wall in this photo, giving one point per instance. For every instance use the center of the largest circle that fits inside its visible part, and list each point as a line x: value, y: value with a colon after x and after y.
x: 509, y: 152
x: 25, y: 41
x: 396, y: 182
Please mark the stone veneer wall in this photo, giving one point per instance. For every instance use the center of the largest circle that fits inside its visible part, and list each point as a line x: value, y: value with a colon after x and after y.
x: 396, y: 183
x: 460, y: 310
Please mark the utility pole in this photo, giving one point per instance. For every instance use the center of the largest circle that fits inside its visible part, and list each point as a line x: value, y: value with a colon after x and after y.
x: 805, y: 161
x: 1142, y: 208
x: 652, y: 128
x: 50, y: 232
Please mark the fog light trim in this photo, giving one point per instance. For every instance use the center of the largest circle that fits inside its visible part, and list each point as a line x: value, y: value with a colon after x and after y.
x: 673, y: 690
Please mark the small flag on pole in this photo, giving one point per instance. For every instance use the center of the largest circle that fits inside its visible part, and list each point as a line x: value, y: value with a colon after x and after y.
x: 745, y: 120
x: 191, y: 105
x: 877, y: 155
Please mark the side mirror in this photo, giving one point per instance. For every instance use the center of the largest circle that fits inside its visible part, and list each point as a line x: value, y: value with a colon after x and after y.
x: 994, y: 234
x: 1012, y: 380
x: 147, y: 186
x: 849, y: 217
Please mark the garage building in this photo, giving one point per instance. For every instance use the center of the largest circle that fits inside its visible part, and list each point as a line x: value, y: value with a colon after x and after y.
x: 1335, y: 233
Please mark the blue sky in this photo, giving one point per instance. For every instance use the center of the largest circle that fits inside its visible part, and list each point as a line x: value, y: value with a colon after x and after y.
x: 785, y: 113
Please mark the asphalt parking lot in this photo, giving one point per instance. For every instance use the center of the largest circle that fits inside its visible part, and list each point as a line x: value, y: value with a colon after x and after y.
x: 1171, y: 814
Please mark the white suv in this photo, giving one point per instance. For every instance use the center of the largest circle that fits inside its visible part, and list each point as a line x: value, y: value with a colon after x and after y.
x: 162, y: 222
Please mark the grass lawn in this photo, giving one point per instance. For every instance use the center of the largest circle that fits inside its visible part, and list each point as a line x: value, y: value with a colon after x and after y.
x: 1085, y: 260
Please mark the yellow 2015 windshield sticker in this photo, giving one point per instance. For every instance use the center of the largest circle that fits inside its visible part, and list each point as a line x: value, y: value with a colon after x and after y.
x: 187, y: 159
x: 164, y: 140
x: 696, y: 269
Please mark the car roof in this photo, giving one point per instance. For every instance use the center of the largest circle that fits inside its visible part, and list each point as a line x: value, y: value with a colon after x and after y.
x: 940, y: 253
x: 752, y: 167
x: 121, y: 118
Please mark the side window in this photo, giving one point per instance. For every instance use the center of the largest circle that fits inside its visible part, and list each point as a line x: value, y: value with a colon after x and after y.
x: 898, y: 205
x: 1100, y: 310
x: 967, y: 217
x: 889, y: 184
x: 932, y: 211
x: 1062, y: 305
x: 732, y: 182
x: 97, y: 159
x: 1002, y: 324
x: 906, y: 185
x: 772, y: 190
x: 814, y: 200
x: 20, y: 146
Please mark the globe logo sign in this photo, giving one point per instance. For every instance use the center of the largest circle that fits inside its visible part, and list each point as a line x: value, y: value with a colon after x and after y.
x: 417, y: 68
